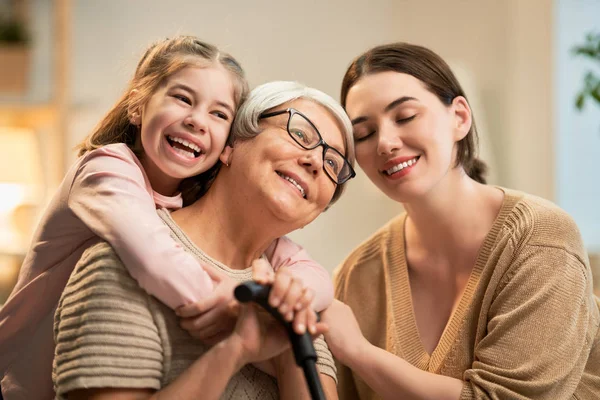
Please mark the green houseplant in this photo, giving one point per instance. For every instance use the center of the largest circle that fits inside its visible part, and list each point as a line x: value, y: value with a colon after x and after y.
x: 591, y: 81
x: 13, y: 32
x: 14, y: 57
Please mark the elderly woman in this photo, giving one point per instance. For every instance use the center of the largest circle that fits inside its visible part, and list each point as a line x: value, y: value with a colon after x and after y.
x: 291, y: 154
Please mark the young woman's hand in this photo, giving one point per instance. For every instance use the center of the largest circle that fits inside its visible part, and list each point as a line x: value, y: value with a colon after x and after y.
x: 213, y: 318
x: 344, y: 337
x: 289, y: 296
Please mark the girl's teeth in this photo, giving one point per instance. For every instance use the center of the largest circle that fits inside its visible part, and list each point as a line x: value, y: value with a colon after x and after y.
x: 184, y: 153
x: 185, y: 143
x: 401, y: 166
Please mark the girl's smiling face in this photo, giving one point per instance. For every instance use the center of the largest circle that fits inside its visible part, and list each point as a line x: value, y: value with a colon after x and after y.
x: 185, y: 124
x: 404, y: 135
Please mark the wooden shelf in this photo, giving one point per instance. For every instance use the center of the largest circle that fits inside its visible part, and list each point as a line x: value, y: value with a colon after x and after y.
x: 36, y: 116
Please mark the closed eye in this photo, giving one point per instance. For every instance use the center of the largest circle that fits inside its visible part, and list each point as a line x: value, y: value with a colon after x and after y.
x: 362, y: 138
x: 405, y: 120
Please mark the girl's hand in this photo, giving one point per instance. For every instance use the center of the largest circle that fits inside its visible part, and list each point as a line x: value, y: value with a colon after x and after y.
x: 289, y: 296
x: 344, y: 337
x: 213, y: 318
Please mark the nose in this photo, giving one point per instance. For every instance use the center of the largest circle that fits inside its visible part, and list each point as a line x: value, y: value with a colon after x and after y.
x: 389, y: 141
x: 197, y: 121
x: 312, y: 160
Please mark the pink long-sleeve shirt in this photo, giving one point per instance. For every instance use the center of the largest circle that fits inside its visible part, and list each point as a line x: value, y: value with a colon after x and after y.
x: 107, y: 196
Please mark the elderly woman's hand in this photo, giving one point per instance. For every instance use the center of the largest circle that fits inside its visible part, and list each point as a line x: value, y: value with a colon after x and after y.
x: 289, y: 296
x: 261, y: 339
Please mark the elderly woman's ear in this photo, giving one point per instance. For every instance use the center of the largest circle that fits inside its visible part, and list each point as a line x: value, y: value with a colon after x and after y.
x: 225, y: 156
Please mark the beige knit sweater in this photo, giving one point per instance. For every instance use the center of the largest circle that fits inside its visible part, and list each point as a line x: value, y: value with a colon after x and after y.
x: 110, y: 333
x: 526, y: 327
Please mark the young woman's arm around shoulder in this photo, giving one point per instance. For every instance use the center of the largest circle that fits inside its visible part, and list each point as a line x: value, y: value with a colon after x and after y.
x: 388, y: 375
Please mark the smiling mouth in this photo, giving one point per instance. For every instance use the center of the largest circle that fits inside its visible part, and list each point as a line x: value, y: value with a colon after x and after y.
x: 293, y: 182
x: 185, y: 148
x: 401, y: 166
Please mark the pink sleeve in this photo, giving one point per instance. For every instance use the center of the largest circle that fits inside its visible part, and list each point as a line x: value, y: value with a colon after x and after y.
x: 285, y: 253
x: 111, y: 196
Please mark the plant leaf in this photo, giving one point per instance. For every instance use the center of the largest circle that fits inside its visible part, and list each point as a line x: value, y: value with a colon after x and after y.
x: 580, y: 101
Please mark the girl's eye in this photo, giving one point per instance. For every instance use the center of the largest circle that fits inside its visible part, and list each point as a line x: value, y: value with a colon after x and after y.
x: 183, y: 98
x: 222, y: 115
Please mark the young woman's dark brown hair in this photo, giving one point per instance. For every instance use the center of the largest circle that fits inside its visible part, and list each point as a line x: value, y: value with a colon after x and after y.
x: 473, y: 291
x: 436, y: 75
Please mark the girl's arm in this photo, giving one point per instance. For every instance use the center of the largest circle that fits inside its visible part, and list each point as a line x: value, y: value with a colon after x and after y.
x: 111, y: 196
x: 283, y: 252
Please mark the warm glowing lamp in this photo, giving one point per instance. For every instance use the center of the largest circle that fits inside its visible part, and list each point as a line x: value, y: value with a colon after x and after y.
x: 20, y: 181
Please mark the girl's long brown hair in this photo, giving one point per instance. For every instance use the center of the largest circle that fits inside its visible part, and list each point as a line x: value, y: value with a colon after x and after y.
x: 161, y: 60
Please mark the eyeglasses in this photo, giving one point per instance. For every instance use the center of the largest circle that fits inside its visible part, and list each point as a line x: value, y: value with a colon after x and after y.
x: 306, y: 135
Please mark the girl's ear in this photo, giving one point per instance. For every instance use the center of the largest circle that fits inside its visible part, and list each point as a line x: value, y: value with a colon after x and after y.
x: 462, y: 116
x: 135, y: 117
x: 225, y: 156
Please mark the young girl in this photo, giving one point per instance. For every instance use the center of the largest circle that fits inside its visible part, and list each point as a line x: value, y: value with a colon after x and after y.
x: 172, y: 123
x: 475, y: 291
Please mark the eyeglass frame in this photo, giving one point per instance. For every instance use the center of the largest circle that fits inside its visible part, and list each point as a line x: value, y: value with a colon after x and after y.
x: 321, y: 142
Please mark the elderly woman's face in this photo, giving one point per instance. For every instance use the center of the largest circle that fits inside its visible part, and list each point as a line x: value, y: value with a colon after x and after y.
x: 289, y: 178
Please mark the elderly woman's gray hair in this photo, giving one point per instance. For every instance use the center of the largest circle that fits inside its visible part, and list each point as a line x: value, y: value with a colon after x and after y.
x: 274, y: 94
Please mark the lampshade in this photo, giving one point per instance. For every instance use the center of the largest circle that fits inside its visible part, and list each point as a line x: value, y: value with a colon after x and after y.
x: 19, y: 157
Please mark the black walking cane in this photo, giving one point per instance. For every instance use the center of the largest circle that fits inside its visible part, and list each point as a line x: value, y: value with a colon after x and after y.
x: 304, y: 351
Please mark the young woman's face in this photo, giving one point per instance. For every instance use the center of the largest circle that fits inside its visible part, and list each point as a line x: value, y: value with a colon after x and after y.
x: 186, y: 122
x: 404, y: 135
x: 288, y: 179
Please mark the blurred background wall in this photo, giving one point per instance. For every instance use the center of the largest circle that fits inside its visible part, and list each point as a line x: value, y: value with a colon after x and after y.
x: 513, y: 57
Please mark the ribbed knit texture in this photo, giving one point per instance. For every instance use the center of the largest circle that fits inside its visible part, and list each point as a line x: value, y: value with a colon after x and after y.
x: 526, y: 326
x: 110, y: 333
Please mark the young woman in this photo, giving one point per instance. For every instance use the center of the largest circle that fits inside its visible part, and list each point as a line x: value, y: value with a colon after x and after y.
x: 475, y: 291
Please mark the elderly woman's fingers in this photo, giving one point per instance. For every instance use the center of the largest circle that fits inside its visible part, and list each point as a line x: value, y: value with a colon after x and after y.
x: 281, y: 283
x: 300, y: 321
x: 305, y: 319
x: 294, y: 292
x: 311, y: 321
x: 305, y: 301
x: 321, y: 328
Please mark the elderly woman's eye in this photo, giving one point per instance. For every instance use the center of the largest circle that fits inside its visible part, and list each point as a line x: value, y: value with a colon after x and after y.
x: 333, y: 165
x: 300, y: 135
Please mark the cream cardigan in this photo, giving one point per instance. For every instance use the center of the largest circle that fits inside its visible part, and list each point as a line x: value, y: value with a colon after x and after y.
x: 526, y: 327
